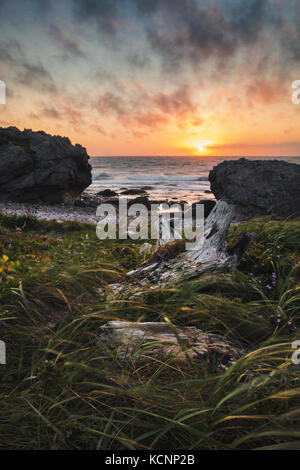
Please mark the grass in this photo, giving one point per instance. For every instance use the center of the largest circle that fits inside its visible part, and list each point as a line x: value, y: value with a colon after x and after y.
x: 63, y: 389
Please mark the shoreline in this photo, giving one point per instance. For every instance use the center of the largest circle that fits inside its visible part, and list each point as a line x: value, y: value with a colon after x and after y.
x: 84, y: 210
x: 59, y: 212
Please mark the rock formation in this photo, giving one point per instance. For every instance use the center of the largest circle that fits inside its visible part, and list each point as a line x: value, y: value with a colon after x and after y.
x: 38, y: 167
x: 258, y: 187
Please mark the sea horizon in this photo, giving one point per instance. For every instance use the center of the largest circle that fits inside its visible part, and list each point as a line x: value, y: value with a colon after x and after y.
x: 165, y: 178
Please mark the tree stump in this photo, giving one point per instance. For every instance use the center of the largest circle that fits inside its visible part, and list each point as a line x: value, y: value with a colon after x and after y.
x: 212, y: 255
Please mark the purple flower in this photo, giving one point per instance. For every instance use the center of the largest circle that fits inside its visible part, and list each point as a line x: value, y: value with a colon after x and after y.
x: 46, y: 361
x: 268, y: 287
x: 274, y: 278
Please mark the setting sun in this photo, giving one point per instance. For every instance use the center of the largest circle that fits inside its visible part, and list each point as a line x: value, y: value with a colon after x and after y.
x: 201, y: 145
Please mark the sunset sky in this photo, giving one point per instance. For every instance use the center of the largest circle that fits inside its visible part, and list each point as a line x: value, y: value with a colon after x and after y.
x: 154, y: 77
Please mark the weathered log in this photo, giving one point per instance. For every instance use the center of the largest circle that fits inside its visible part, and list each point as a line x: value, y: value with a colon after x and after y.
x: 210, y: 256
x: 142, y: 341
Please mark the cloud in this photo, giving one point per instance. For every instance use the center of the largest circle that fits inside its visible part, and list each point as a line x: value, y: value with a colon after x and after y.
x: 150, y: 120
x: 50, y: 113
x: 108, y: 103
x: 68, y: 45
x: 139, y: 107
x: 26, y: 72
x: 35, y: 75
x: 194, y: 32
x: 104, y: 13
x: 185, y: 31
x: 178, y: 102
x: 290, y: 34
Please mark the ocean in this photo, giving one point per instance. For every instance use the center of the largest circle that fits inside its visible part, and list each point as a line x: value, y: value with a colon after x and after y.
x: 165, y: 178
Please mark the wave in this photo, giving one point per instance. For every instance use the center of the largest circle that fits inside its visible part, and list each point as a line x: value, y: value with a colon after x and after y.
x: 166, y: 178
x: 98, y: 176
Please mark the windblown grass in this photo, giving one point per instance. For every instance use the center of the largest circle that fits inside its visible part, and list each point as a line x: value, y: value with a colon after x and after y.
x: 63, y: 389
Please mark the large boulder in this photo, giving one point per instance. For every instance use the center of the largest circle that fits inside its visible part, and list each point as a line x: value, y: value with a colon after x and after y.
x: 39, y: 167
x: 258, y: 187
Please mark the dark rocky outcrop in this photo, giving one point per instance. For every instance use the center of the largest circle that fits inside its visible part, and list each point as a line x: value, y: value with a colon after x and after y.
x: 38, y: 167
x: 258, y: 187
x: 107, y: 193
x: 133, y: 192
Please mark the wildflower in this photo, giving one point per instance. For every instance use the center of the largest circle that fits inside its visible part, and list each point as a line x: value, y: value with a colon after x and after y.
x: 274, y: 278
x: 268, y: 287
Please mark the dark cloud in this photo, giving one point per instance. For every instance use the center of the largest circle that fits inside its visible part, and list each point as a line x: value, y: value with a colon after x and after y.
x: 24, y: 71
x: 43, y: 7
x: 67, y: 45
x: 104, y: 13
x: 35, y: 75
x: 193, y: 32
x: 290, y: 34
x: 108, y: 103
x: 178, y: 102
x: 186, y: 30
x: 147, y: 109
x: 138, y: 59
x: 51, y: 113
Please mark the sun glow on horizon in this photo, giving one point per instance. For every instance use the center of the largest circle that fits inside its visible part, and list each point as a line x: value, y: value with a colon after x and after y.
x: 202, y: 145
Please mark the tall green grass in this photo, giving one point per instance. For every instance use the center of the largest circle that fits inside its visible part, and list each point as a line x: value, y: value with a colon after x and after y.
x: 64, y: 389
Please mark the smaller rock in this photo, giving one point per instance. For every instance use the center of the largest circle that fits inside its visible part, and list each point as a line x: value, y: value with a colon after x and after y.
x: 140, y: 200
x: 80, y: 203
x: 107, y: 193
x: 133, y: 192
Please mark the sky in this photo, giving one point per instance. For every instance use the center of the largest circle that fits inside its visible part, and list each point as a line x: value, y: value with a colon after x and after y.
x: 154, y: 77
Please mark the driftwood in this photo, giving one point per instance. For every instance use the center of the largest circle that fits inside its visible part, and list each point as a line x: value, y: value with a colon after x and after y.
x: 143, y: 341
x: 211, y: 256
